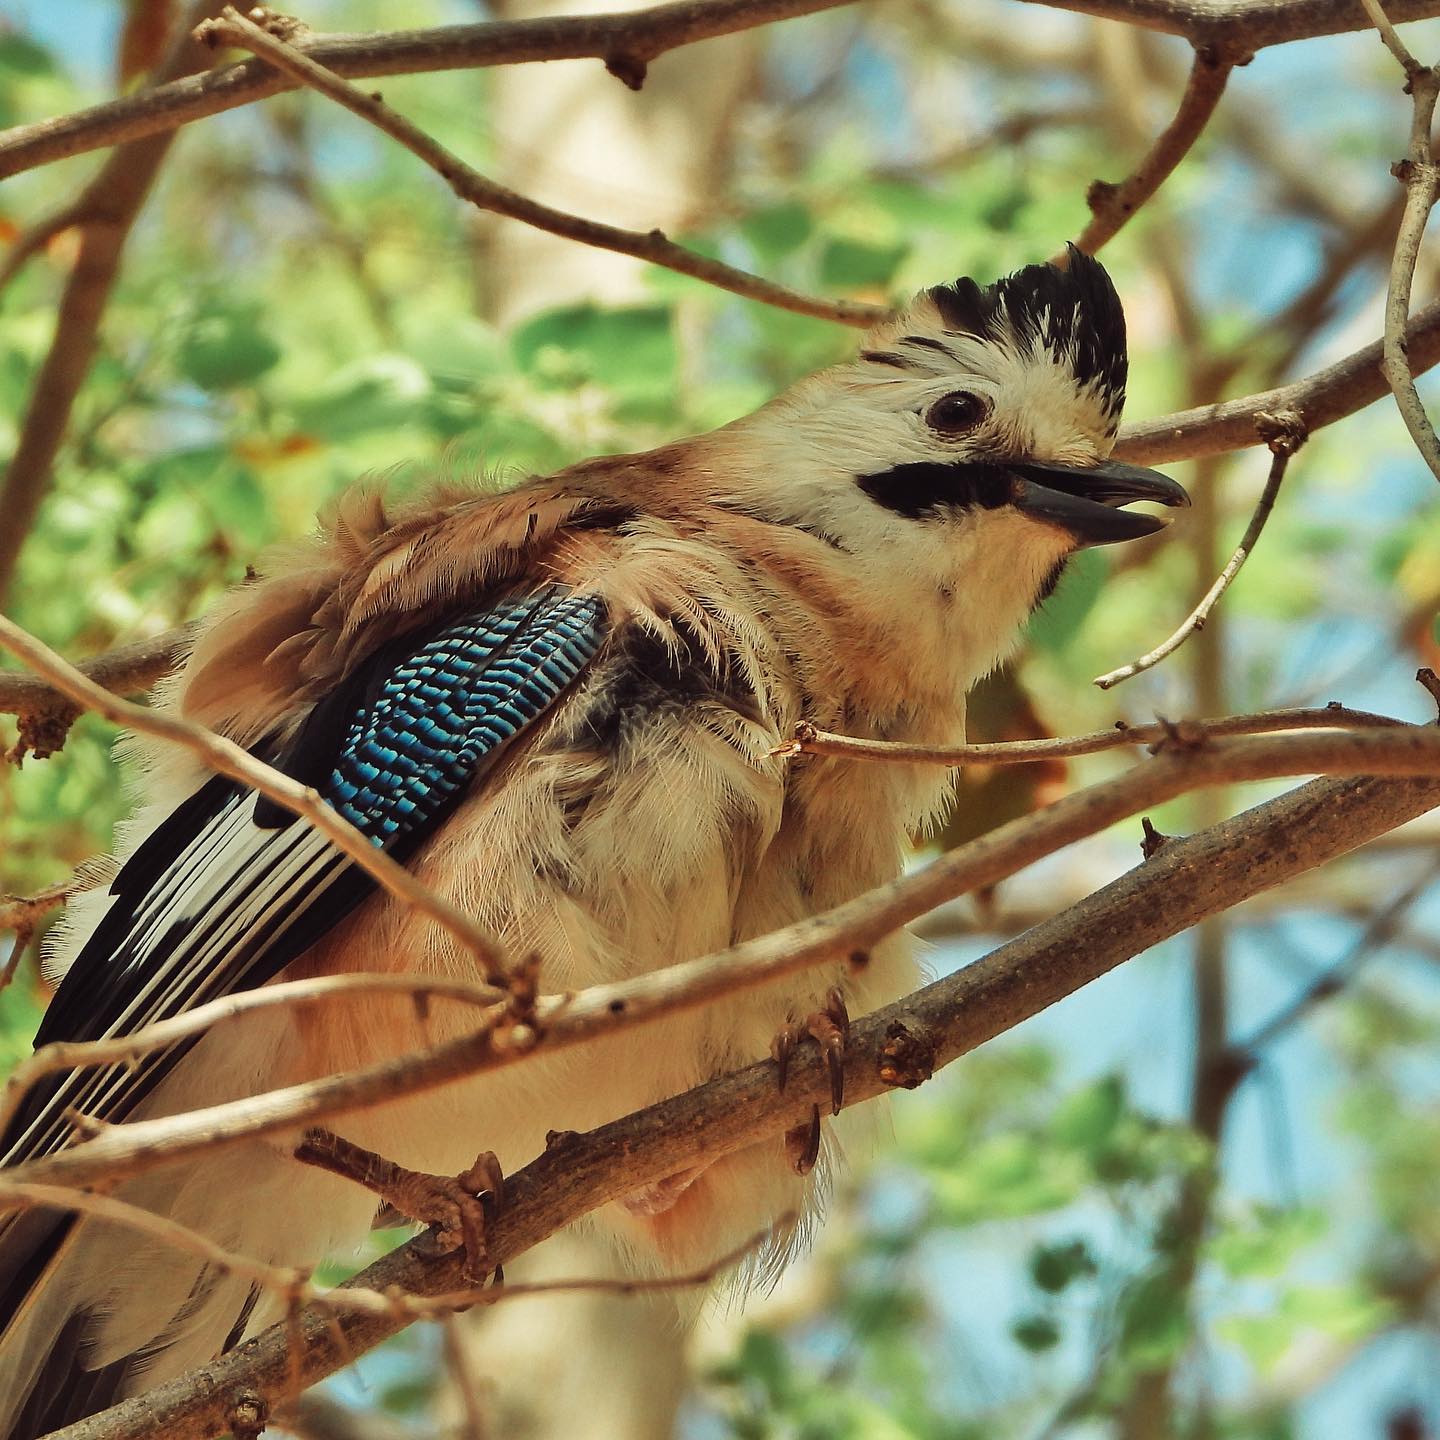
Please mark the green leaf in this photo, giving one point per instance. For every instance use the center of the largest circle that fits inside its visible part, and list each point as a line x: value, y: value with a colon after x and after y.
x: 225, y: 347
x: 1153, y: 1321
x: 1268, y: 1243
x: 763, y: 1359
x: 777, y: 230
x: 1088, y: 1118
x: 1055, y: 624
x: 380, y: 392
x: 22, y: 56
x: 1053, y: 1267
x: 1036, y: 1333
x: 854, y: 264
x: 629, y: 349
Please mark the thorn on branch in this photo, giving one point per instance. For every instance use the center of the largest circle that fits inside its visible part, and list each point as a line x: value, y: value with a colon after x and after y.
x: 629, y: 69
x: 524, y: 987
x: 1101, y: 195
x: 1154, y: 840
x: 1283, y: 431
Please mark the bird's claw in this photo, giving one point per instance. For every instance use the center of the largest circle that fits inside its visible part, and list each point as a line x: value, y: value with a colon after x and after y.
x: 454, y: 1204
x: 830, y: 1029
x: 802, y: 1143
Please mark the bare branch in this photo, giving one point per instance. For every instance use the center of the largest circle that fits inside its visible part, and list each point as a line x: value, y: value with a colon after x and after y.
x: 487, y: 194
x: 1318, y: 400
x: 109, y: 205
x: 62, y: 1055
x: 46, y: 715
x: 22, y: 914
x: 1418, y: 173
x: 1113, y: 205
x: 626, y: 42
x: 1282, y: 450
x: 1382, y: 928
x: 841, y: 934
x: 226, y: 758
x: 900, y: 1045
x: 810, y: 741
x: 296, y: 1284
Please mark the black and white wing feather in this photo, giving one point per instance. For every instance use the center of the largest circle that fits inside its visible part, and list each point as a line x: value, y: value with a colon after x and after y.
x: 231, y: 887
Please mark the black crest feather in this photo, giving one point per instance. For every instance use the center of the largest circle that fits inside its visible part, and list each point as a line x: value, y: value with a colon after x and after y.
x: 1075, y: 313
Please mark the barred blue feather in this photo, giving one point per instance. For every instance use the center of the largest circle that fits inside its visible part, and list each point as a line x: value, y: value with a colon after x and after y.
x: 461, y: 695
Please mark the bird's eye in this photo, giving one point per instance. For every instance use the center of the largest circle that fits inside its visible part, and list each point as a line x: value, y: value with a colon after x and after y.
x: 957, y: 413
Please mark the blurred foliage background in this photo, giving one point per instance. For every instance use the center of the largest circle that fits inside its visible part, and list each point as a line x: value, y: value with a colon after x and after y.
x: 1200, y: 1198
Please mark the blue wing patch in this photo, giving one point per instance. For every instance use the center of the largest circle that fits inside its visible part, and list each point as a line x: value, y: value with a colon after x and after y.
x: 461, y: 695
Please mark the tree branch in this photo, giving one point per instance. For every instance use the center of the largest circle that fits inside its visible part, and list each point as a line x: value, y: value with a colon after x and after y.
x: 46, y: 715
x: 1161, y: 735
x: 1318, y: 400
x: 626, y: 42
x: 840, y: 934
x: 486, y: 194
x: 1112, y: 205
x: 900, y: 1045
x: 1418, y: 173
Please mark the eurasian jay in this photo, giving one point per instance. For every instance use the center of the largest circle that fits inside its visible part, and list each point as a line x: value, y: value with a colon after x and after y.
x: 560, y: 705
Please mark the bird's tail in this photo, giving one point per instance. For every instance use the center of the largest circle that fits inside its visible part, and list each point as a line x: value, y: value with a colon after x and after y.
x: 93, y: 1311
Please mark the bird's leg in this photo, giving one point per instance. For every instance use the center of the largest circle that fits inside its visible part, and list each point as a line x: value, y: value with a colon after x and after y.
x: 454, y: 1204
x: 830, y: 1029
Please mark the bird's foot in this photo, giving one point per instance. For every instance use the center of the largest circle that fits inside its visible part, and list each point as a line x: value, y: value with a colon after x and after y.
x: 454, y: 1204
x: 830, y: 1029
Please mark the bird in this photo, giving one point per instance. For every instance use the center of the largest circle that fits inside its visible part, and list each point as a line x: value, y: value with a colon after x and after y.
x: 563, y: 705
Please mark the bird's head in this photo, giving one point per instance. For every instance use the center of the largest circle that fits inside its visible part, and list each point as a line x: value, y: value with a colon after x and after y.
x: 972, y: 407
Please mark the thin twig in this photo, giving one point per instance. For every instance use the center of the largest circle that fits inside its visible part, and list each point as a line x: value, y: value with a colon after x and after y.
x: 1112, y: 205
x: 37, y: 236
x: 22, y: 914
x: 296, y: 1285
x: 465, y: 1379
x: 23, y: 1195
x: 842, y: 934
x: 61, y: 1055
x: 1421, y: 179
x: 810, y: 741
x: 486, y: 194
x: 227, y: 758
x: 1381, y: 928
x: 1281, y: 451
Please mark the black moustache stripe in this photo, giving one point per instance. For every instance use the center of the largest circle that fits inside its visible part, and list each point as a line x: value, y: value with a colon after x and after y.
x: 923, y: 489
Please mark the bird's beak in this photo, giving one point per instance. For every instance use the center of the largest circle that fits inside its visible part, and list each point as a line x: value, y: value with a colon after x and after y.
x: 1085, y: 502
